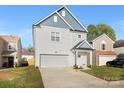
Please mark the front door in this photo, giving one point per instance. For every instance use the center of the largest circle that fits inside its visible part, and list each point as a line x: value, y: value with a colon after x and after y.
x: 10, y: 61
x: 82, y: 59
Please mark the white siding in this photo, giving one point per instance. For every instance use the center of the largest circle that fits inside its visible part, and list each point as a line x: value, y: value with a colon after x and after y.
x: 75, y: 39
x: 44, y: 45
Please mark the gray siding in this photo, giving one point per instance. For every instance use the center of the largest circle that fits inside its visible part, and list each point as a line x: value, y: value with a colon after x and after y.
x: 50, y: 22
x: 71, y: 20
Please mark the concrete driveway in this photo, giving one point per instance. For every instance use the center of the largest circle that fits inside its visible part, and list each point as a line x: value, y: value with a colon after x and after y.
x: 71, y: 78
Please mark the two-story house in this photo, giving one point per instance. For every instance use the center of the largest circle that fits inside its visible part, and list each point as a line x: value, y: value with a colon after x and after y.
x: 61, y: 40
x: 104, y: 50
x: 10, y: 50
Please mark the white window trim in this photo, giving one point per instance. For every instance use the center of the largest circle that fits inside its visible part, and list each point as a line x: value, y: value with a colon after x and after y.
x: 12, y: 47
x: 55, y: 36
x: 63, y: 13
x: 52, y: 35
x: 103, y: 42
x: 55, y: 19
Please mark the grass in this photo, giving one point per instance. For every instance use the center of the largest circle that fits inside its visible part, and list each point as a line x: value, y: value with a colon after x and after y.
x: 21, y: 77
x: 107, y: 73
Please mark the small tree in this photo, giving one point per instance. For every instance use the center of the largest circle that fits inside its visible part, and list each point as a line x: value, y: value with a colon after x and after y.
x: 96, y: 30
x: 30, y: 49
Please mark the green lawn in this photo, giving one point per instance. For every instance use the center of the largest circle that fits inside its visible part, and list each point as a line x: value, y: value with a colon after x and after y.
x: 21, y: 77
x: 106, y: 73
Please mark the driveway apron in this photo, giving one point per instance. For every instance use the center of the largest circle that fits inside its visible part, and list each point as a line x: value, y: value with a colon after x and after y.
x: 70, y: 78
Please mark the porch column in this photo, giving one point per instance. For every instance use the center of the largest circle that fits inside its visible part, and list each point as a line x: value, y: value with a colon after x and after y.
x: 75, y: 58
x: 15, y: 61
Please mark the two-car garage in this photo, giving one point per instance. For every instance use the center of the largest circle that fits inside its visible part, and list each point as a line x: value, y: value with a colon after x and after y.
x: 53, y: 60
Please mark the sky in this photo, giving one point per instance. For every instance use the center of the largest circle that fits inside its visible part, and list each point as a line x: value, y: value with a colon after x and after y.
x: 18, y: 20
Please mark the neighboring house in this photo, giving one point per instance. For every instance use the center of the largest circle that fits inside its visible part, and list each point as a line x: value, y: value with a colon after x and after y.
x: 10, y: 50
x: 28, y: 56
x: 119, y: 46
x: 104, y: 51
x: 61, y: 40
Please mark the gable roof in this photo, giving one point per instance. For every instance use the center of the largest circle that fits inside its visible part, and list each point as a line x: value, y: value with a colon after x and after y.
x: 9, y: 38
x: 118, y: 43
x: 66, y: 20
x: 83, y: 45
x: 102, y: 36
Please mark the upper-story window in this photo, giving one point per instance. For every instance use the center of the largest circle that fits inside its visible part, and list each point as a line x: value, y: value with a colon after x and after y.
x: 55, y: 19
x: 11, y: 47
x: 79, y: 36
x: 63, y: 13
x: 55, y: 36
x: 103, y: 46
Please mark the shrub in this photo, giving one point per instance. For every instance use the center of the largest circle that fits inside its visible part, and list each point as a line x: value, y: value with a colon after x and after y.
x: 75, y: 66
x: 89, y: 66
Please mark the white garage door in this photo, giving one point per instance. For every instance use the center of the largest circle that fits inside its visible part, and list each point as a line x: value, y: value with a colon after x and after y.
x: 104, y: 58
x: 53, y: 60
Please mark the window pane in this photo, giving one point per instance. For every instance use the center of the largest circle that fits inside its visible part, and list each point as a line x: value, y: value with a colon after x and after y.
x: 63, y: 13
x: 57, y: 38
x: 53, y: 36
x: 52, y: 33
x: 55, y: 18
x: 79, y: 36
x: 10, y: 47
x: 103, y: 46
x: 57, y: 34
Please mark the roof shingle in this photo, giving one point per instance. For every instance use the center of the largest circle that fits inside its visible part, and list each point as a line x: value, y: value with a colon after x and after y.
x: 9, y: 38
